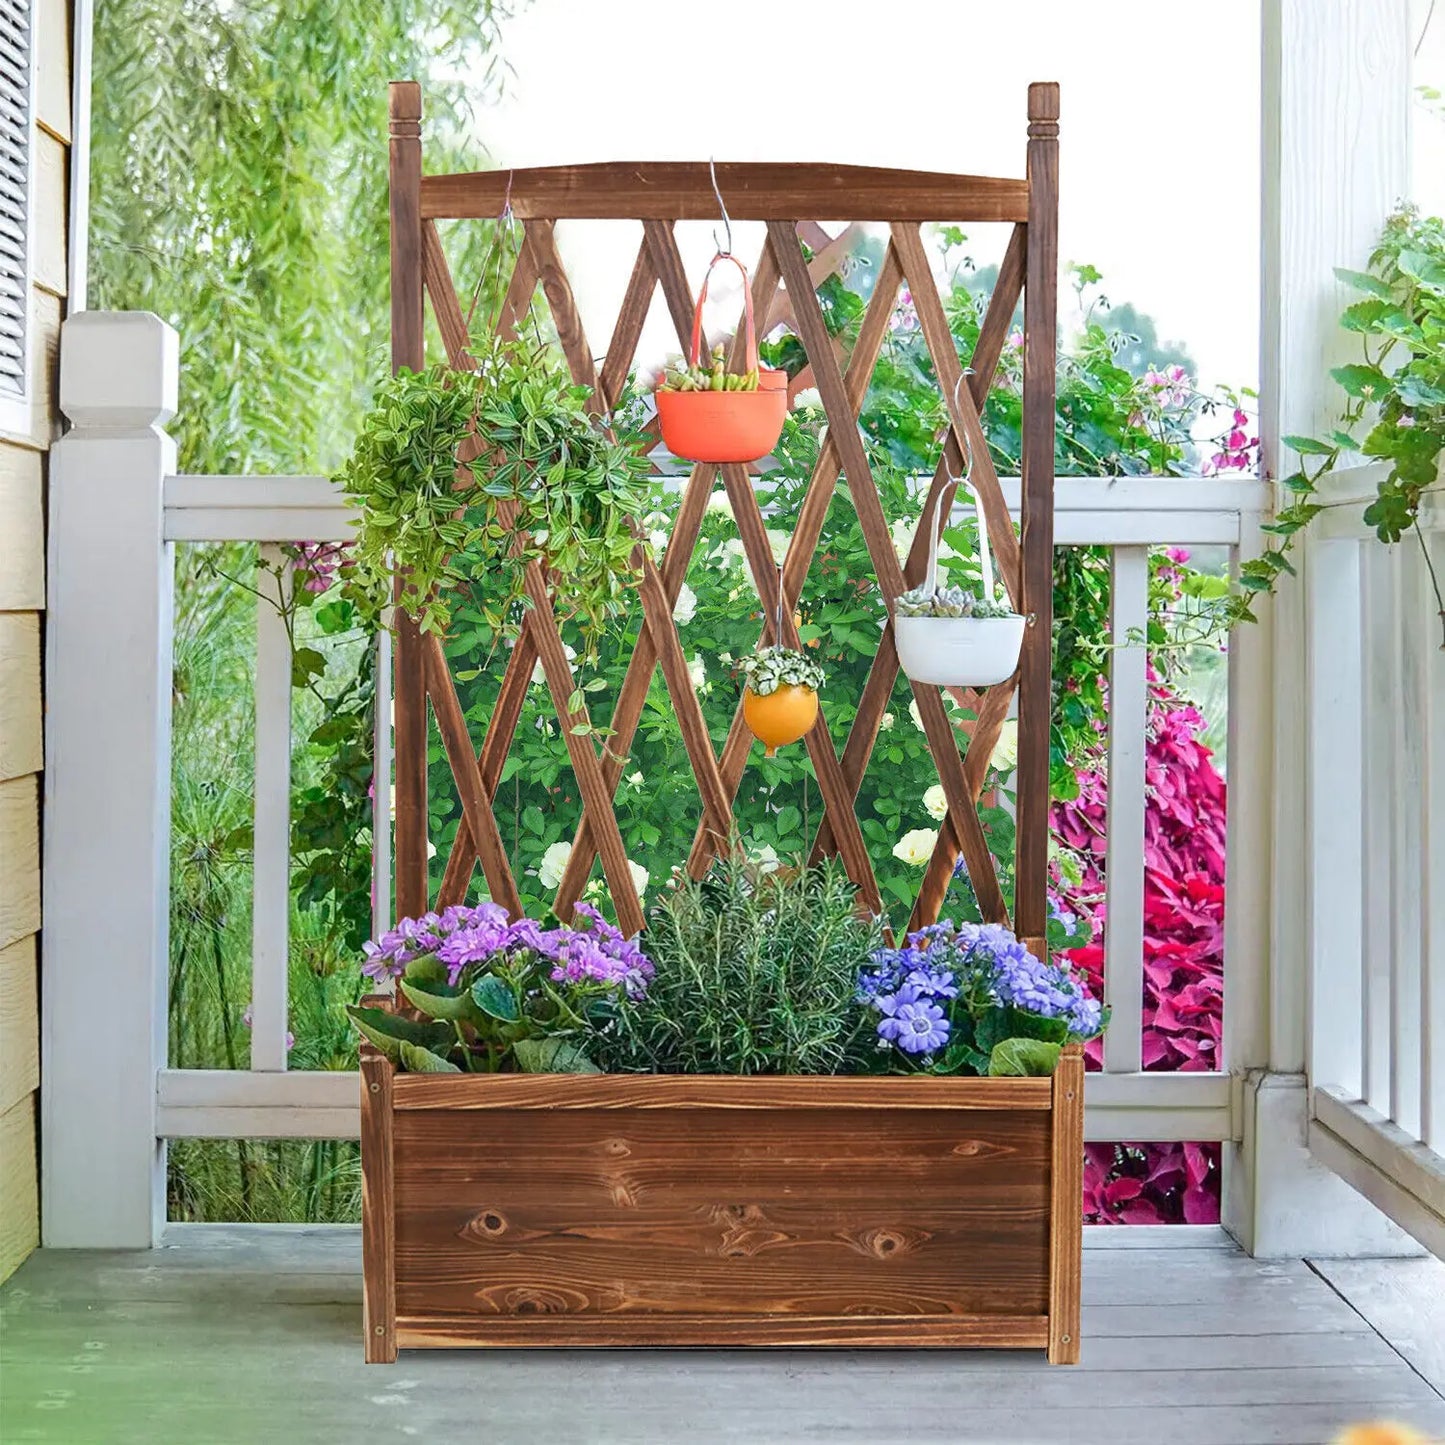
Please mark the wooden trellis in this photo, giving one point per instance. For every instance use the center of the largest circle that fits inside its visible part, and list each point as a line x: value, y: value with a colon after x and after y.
x: 791, y: 200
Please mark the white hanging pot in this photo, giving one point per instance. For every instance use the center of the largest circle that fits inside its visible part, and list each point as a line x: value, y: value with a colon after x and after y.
x: 959, y: 651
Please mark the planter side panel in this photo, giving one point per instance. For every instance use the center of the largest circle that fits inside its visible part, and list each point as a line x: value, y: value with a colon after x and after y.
x: 697, y: 1212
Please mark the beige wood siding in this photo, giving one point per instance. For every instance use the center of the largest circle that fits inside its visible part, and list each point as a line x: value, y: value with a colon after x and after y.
x: 22, y: 602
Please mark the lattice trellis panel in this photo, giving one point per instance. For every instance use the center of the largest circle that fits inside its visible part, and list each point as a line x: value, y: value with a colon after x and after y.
x: 790, y: 200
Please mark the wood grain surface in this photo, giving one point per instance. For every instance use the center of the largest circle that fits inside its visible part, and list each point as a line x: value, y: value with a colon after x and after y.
x: 642, y: 1209
x: 683, y: 191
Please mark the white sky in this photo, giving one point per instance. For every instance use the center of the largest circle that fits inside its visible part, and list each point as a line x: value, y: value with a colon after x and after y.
x: 1159, y: 128
x: 1159, y: 125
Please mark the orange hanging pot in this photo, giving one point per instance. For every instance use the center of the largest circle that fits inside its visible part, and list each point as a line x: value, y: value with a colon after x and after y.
x: 710, y: 415
x: 780, y: 700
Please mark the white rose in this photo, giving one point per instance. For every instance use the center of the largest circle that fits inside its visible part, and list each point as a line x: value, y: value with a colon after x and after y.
x: 916, y: 848
x: 698, y: 673
x: 634, y: 780
x: 639, y: 877
x: 720, y: 502
x: 885, y: 722
x: 1006, y: 752
x: 685, y: 609
x: 902, y: 534
x: 915, y: 714
x: 936, y: 802
x: 808, y: 396
x: 657, y: 540
x: 778, y: 541
x: 553, y: 864
x: 539, y: 673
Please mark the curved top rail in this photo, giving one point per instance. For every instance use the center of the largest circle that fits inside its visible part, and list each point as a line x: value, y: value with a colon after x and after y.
x: 683, y: 191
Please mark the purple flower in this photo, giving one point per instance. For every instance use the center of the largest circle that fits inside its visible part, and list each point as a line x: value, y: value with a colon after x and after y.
x: 461, y: 938
x: 476, y: 944
x: 913, y: 1023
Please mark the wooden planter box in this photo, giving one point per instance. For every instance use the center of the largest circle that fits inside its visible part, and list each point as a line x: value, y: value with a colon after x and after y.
x: 560, y: 1209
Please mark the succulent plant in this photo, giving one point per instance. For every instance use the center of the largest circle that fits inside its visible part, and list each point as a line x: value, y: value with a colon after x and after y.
x: 679, y: 376
x: 948, y: 602
x: 776, y: 667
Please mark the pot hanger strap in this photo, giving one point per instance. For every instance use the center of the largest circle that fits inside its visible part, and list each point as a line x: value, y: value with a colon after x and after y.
x: 695, y: 351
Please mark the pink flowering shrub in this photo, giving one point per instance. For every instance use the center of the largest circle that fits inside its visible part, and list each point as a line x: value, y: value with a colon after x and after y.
x: 1183, y: 956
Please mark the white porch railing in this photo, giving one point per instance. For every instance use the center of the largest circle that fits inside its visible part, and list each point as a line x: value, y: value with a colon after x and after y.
x: 111, y: 1099
x: 1376, y: 717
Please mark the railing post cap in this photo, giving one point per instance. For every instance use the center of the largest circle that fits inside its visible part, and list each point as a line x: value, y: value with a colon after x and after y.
x: 118, y: 369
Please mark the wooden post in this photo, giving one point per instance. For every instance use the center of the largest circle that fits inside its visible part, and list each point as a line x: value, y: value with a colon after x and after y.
x: 107, y: 785
x: 1036, y: 666
x: 378, y: 1213
x: 408, y: 347
x: 1066, y: 1212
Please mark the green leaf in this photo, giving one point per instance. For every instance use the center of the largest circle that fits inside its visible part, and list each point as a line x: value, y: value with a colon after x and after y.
x: 1425, y: 268
x: 418, y: 1060
x: 1023, y: 1025
x: 1016, y: 1058
x: 439, y: 1001
x: 1363, y: 281
x: 389, y: 1031
x: 306, y: 663
x: 1368, y: 383
x: 552, y: 1056
x: 492, y: 995
x: 427, y: 970
x: 1308, y: 446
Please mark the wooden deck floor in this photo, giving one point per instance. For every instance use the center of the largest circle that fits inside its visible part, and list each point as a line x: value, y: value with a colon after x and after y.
x: 244, y: 1336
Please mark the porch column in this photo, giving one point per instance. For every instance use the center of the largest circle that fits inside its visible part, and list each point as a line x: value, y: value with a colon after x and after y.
x: 1335, y: 131
x: 107, y: 785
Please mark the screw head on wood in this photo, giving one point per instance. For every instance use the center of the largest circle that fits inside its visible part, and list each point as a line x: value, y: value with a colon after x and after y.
x: 376, y: 1088
x: 381, y: 1330
x: 1067, y: 1339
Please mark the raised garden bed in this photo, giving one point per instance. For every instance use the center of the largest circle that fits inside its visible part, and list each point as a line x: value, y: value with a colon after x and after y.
x: 623, y: 1209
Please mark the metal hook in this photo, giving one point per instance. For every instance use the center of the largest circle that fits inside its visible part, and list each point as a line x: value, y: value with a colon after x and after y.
x: 511, y: 221
x: 723, y: 249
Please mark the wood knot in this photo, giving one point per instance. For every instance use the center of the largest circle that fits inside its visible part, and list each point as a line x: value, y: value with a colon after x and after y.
x: 746, y: 1231
x: 618, y: 1148
x: 489, y: 1224
x: 537, y: 1302
x: 887, y: 1241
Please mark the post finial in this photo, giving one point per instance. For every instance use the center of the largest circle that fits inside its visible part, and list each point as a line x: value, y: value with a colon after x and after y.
x: 1044, y: 110
x: 404, y: 107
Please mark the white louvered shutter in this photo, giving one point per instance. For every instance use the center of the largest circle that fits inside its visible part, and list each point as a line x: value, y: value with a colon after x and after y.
x: 15, y: 37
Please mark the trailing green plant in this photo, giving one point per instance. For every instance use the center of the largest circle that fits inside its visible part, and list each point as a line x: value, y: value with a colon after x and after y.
x: 547, y: 485
x: 773, y: 667
x: 755, y: 973
x: 1394, y: 400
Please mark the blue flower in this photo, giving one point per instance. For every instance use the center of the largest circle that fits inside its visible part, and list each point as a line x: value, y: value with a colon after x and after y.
x: 933, y: 982
x: 914, y: 1024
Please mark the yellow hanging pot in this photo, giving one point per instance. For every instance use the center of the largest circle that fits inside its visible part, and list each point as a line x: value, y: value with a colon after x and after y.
x: 780, y: 699
x: 780, y: 717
